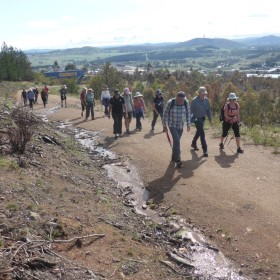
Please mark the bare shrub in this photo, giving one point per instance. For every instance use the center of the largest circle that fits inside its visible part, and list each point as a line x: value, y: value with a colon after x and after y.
x: 21, y: 128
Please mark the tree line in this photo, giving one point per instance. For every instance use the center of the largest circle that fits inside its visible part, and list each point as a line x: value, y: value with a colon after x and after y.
x: 259, y: 97
x: 14, y: 65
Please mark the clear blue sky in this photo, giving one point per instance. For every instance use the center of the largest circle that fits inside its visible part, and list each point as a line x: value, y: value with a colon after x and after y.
x: 30, y: 24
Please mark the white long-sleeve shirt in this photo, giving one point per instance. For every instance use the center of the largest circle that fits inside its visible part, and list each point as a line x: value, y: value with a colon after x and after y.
x: 105, y: 94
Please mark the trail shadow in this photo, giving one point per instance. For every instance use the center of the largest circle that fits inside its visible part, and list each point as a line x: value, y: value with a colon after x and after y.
x: 110, y: 142
x: 189, y: 166
x: 150, y: 134
x: 224, y: 160
x: 78, y: 118
x: 160, y: 186
x: 81, y: 121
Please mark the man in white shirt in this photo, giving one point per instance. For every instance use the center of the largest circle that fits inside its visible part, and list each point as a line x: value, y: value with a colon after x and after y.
x: 105, y: 98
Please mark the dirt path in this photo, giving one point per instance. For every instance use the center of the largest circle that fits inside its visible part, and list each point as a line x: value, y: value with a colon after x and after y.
x: 234, y: 199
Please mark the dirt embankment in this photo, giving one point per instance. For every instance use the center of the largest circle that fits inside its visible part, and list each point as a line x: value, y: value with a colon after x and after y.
x: 233, y: 199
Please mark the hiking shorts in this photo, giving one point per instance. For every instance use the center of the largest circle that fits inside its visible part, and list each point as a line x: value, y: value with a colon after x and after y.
x: 129, y: 115
x: 227, y: 126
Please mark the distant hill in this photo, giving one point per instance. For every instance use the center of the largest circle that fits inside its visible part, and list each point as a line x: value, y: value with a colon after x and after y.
x: 270, y: 40
x: 214, y: 43
x: 203, y: 53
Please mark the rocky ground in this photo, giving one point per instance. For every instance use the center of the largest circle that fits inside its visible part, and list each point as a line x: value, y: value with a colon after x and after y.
x: 63, y: 217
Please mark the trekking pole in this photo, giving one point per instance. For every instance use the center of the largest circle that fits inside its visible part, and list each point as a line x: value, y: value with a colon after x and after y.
x: 230, y: 139
x: 168, y: 138
x: 227, y: 136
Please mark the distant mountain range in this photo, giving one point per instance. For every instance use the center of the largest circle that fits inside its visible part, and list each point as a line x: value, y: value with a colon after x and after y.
x: 217, y: 52
x: 220, y: 43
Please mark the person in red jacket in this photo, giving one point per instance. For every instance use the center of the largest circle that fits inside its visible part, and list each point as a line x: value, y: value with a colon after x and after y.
x: 83, y: 100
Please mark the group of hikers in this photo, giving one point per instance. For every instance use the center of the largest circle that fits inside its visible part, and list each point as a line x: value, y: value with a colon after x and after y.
x: 173, y: 114
x: 30, y: 96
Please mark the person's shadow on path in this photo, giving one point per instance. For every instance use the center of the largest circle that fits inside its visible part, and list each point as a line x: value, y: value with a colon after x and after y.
x: 150, y: 134
x: 164, y: 184
x: 224, y: 160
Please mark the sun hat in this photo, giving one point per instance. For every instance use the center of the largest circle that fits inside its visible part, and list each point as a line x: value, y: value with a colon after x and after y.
x: 138, y: 94
x: 90, y: 89
x: 202, y: 90
x: 181, y: 95
x: 232, y: 96
x: 116, y: 91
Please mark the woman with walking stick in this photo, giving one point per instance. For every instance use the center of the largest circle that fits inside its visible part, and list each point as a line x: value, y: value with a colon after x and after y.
x: 231, y: 120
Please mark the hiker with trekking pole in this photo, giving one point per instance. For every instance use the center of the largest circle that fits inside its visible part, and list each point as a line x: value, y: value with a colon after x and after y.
x: 176, y: 111
x: 231, y: 119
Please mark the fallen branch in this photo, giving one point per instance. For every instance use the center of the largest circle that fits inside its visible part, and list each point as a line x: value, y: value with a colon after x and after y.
x: 79, y: 237
x: 164, y: 214
x: 179, y: 259
x: 170, y: 266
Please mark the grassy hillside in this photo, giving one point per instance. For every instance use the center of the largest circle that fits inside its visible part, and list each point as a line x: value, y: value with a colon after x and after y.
x: 201, y: 53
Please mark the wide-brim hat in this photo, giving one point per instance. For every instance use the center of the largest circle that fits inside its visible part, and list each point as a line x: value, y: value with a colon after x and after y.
x: 90, y: 89
x: 202, y: 90
x: 232, y: 96
x: 138, y: 94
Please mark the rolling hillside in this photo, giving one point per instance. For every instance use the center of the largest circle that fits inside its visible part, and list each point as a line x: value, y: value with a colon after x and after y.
x: 201, y: 53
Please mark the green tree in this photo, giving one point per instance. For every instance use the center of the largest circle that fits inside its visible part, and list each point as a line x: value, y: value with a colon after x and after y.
x: 110, y: 76
x: 97, y: 85
x: 70, y: 66
x: 249, y: 108
x: 14, y: 65
x: 266, y: 108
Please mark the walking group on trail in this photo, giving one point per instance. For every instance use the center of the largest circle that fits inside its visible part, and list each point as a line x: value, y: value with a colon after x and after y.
x: 173, y: 113
x: 30, y: 96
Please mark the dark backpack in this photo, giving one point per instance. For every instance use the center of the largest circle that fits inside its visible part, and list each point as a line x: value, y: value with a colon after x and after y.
x: 173, y: 103
x: 222, y: 113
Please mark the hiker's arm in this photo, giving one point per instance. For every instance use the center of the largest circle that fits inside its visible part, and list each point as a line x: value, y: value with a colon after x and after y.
x: 188, y: 116
x: 110, y: 109
x: 154, y: 108
x: 209, y: 112
x: 165, y: 116
x: 238, y: 116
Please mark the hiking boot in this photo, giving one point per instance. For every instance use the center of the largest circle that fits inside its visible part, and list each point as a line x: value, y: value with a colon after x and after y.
x: 194, y: 147
x: 127, y: 131
x: 179, y: 163
x: 221, y: 146
x: 205, y: 153
x: 116, y: 136
x: 240, y: 151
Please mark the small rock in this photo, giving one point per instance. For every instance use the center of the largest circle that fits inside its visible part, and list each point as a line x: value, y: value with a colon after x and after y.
x: 144, y: 206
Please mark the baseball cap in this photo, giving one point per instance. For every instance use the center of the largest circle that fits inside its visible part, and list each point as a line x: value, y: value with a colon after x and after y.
x: 181, y: 95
